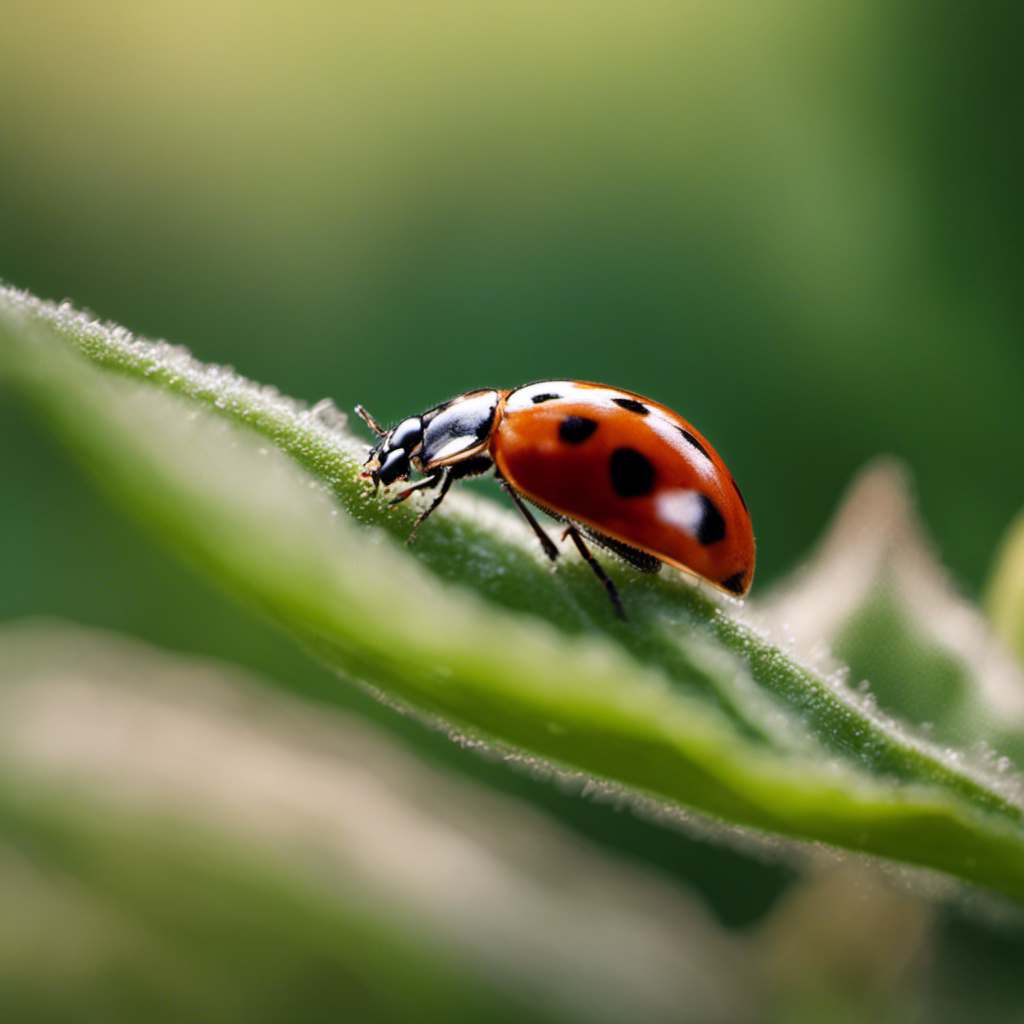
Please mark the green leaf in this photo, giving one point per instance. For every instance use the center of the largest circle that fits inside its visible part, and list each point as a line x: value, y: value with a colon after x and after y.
x: 898, y: 624
x: 1005, y: 597
x: 686, y: 706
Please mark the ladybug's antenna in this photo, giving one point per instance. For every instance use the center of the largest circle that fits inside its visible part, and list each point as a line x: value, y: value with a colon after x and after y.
x: 370, y: 421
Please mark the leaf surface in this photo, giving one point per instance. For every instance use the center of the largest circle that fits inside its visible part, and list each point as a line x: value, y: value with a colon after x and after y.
x: 686, y: 707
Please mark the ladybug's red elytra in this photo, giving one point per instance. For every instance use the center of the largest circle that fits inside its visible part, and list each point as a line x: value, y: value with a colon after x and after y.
x: 618, y: 469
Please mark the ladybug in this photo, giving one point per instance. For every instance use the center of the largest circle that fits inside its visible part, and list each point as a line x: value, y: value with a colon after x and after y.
x: 619, y: 470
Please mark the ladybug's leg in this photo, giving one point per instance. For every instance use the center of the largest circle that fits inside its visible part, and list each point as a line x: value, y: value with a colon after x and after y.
x: 545, y: 541
x: 571, y: 531
x: 430, y: 481
x: 445, y: 476
x: 446, y: 481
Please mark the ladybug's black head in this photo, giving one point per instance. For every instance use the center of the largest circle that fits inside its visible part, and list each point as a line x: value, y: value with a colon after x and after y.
x: 389, y: 459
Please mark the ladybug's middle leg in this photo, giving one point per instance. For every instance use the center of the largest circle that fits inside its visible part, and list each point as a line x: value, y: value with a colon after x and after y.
x: 545, y: 541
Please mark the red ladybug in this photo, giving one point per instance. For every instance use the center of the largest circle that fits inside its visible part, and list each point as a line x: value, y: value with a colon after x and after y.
x: 617, y: 468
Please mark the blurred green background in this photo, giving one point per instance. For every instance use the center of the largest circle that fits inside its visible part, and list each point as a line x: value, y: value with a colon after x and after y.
x: 798, y: 225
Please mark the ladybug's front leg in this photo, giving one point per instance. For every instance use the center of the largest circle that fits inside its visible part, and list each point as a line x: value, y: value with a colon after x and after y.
x: 445, y: 478
x: 430, y: 481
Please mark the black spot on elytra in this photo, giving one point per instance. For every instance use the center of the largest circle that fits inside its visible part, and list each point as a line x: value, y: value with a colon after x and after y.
x: 548, y: 396
x: 696, y: 444
x: 632, y: 405
x: 576, y: 429
x: 712, y: 525
x: 738, y: 493
x: 736, y: 583
x: 632, y: 473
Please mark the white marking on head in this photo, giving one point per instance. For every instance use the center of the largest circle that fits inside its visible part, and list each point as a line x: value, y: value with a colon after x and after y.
x: 472, y: 413
x: 682, y: 509
x: 459, y: 426
x: 455, y: 446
